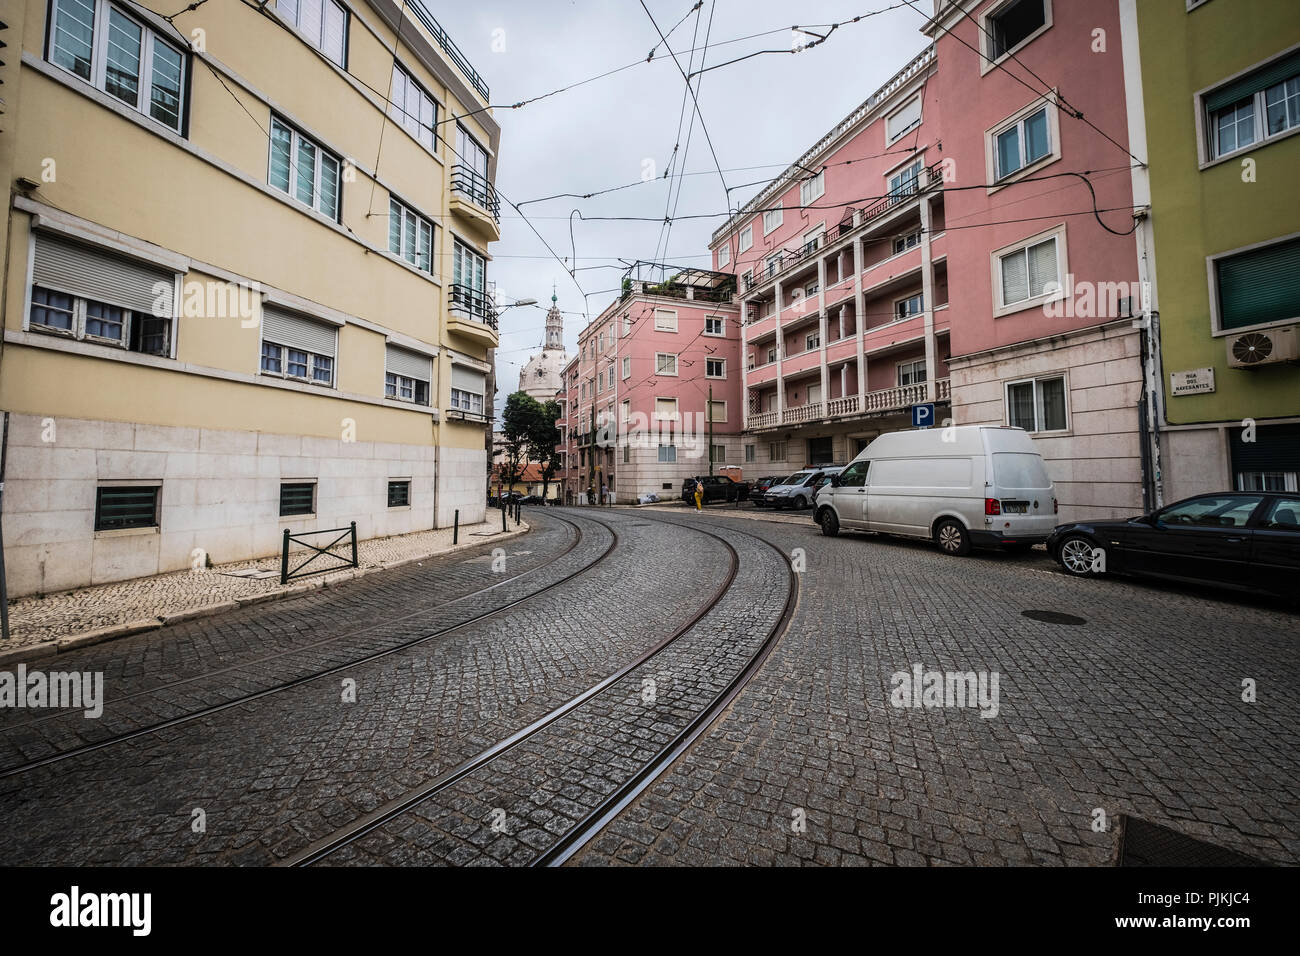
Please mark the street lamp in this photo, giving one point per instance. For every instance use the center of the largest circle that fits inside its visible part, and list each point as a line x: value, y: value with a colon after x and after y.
x: 511, y: 305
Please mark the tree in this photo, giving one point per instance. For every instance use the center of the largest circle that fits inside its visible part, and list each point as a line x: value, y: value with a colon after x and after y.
x: 519, y: 428
x: 544, y: 445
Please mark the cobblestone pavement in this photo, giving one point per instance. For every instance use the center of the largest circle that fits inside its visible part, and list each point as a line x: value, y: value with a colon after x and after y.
x: 273, y: 775
x: 1138, y: 711
x: 39, y: 619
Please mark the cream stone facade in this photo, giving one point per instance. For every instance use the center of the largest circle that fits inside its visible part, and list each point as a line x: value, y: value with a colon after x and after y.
x: 220, y: 285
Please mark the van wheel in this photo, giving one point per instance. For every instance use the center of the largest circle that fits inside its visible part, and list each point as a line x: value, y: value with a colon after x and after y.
x: 830, y: 523
x: 952, y: 538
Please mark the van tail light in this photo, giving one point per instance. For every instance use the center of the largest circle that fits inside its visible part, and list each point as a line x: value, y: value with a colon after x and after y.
x: 1056, y: 508
x: 992, y: 506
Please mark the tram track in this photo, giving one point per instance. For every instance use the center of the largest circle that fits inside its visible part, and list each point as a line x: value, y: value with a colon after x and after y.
x: 156, y: 727
x: 577, y: 836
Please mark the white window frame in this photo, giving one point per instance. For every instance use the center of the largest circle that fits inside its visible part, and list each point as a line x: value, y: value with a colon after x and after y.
x: 426, y: 137
x: 1208, y: 132
x: 908, y: 298
x: 659, y: 365
x: 890, y: 139
x: 770, y: 223
x: 405, y: 211
x: 624, y: 410
x: 294, y: 19
x: 668, y: 454
x: 400, y: 381
x: 812, y: 341
x: 812, y: 188
x: 312, y: 358
x: 1050, y: 294
x: 295, y: 137
x: 627, y: 367
x: 746, y: 238
x: 149, y: 37
x: 721, y: 362
x: 1038, y: 402
x: 660, y: 417
x: 910, y: 365
x: 906, y: 242
x: 777, y: 450
x: 709, y: 408
x: 750, y: 454
x: 724, y: 254
x: 1212, y: 277
x: 722, y: 325
x: 997, y: 181
x: 662, y: 320
x: 987, y: 62
x: 916, y: 162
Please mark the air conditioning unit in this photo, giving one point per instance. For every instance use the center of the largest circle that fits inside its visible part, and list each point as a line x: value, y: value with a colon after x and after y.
x: 1265, y: 347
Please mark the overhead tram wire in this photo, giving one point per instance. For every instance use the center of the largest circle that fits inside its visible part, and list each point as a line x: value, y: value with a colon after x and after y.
x: 665, y: 229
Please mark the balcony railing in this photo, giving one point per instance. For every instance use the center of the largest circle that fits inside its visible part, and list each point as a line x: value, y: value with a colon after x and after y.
x: 802, y: 413
x: 881, y: 400
x: 449, y: 47
x: 474, y: 186
x: 477, y: 303
x: 763, y: 420
x: 843, y: 406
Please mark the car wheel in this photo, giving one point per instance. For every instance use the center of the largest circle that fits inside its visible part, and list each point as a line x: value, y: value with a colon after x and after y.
x: 830, y: 523
x: 952, y: 538
x: 800, y: 503
x: 1078, y: 556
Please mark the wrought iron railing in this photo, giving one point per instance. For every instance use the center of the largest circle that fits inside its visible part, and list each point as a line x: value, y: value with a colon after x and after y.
x: 449, y: 47
x: 476, y: 302
x: 335, y: 561
x: 473, y: 185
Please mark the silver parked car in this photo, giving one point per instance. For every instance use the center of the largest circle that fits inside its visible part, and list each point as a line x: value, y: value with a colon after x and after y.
x: 800, y: 489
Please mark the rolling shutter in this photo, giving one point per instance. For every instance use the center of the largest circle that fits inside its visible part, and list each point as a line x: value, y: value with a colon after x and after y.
x: 468, y: 379
x: 286, y: 328
x: 409, y: 364
x: 91, y: 274
x: 1276, y: 448
x: 1271, y: 75
x: 1262, y: 285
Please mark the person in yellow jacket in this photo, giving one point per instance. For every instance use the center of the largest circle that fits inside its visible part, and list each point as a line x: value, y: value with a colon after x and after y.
x: 699, y: 495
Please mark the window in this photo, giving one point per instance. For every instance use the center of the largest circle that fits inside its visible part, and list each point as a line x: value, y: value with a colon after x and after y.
x: 903, y: 243
x: 297, y: 498
x: 323, y: 22
x: 912, y: 305
x: 665, y: 363
x: 724, y: 255
x: 407, y: 376
x: 94, y: 296
x: 776, y: 450
x: 717, y: 453
x: 1272, y: 481
x: 465, y: 401
x: 812, y: 189
x: 911, y: 373
x: 468, y: 386
x: 667, y: 454
x: 773, y: 265
x: 412, y: 108
x: 399, y: 494
x: 627, y: 454
x: 1255, y: 108
x: 771, y: 219
x: 1013, y: 24
x: 471, y: 156
x: 1037, y: 405
x: 304, y: 170
x: 665, y: 409
x: 812, y: 340
x: 746, y: 238
x: 1257, y: 287
x: 1211, y: 511
x: 1029, y: 272
x: 748, y: 279
x: 907, y: 118
x: 469, y: 280
x: 627, y: 322
x: 855, y: 475
x: 907, y: 180
x: 812, y: 239
x: 1023, y: 143
x: 624, y: 410
x: 126, y: 60
x: 121, y: 508
x: 665, y: 320
x: 296, y: 347
x: 410, y: 236
x: 811, y: 290
x: 627, y: 366
x: 715, y: 368
x: 749, y: 454
x: 771, y: 355
x: 717, y: 411
x: 714, y: 325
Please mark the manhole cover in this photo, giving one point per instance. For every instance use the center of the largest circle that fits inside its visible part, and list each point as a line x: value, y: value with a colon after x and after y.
x: 1053, y: 617
x: 1148, y: 844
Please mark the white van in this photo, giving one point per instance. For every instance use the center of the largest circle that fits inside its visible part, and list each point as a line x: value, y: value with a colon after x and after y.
x: 962, y: 487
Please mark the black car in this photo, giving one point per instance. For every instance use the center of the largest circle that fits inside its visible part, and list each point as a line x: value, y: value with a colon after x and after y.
x: 716, y: 488
x: 1240, y: 539
x: 758, y: 493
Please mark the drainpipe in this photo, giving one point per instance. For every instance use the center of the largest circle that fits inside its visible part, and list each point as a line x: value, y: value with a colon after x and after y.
x: 4, y: 586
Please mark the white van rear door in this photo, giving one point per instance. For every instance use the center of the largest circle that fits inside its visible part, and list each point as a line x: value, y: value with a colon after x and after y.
x: 1023, y: 489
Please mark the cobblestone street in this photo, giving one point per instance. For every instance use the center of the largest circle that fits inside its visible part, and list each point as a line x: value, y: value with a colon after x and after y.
x: 624, y: 686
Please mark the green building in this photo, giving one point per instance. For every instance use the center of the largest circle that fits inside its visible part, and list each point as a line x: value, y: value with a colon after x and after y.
x: 1220, y: 83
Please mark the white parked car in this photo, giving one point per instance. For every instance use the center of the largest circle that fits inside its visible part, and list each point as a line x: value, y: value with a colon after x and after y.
x: 800, y: 489
x: 985, y: 486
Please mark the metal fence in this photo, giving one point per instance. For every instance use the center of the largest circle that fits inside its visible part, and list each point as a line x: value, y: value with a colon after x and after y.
x: 318, y: 552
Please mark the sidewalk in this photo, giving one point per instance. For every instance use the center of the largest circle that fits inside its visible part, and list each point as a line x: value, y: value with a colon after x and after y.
x: 40, y: 626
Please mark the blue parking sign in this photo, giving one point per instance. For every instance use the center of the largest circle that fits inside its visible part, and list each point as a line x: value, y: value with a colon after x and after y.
x: 923, y: 415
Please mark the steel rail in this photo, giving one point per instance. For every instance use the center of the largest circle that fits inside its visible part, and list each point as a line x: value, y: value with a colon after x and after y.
x: 30, y: 765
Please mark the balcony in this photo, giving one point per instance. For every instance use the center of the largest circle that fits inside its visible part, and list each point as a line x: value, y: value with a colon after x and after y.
x: 471, y: 312
x: 763, y: 420
x: 872, y: 403
x: 475, y: 199
x: 802, y: 413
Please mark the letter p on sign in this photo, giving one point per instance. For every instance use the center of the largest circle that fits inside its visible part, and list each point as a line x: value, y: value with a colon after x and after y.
x: 923, y: 416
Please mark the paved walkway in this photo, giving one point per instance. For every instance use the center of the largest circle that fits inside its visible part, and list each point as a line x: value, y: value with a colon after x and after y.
x: 60, y: 622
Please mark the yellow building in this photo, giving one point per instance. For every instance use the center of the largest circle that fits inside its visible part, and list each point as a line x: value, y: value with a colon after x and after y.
x: 245, y: 280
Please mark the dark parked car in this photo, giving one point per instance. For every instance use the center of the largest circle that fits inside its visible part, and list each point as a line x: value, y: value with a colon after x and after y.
x: 716, y: 488
x: 758, y: 494
x: 1240, y: 539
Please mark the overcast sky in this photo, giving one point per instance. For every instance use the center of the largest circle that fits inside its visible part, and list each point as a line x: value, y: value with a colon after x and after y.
x: 762, y: 112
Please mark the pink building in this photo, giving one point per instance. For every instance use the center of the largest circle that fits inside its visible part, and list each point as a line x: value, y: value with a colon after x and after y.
x: 929, y: 250
x: 636, y: 397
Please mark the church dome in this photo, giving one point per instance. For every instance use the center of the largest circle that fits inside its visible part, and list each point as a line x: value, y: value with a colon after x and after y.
x: 543, y: 374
